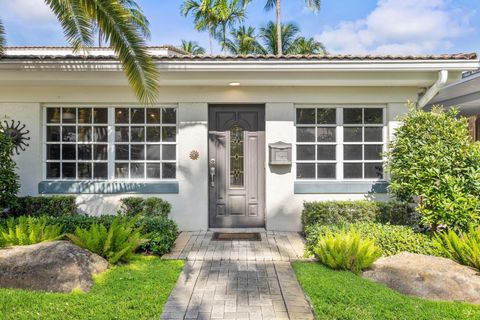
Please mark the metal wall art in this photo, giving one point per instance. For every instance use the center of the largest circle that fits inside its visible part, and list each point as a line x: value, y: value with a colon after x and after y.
x: 194, y: 155
x: 18, y: 134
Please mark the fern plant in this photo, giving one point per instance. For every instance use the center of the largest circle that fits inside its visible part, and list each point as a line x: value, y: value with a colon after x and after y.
x: 117, y: 243
x: 346, y: 250
x: 28, y: 230
x: 463, y: 248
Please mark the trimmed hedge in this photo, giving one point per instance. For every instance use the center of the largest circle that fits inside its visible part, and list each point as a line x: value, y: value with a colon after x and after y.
x: 133, y: 206
x: 44, y: 206
x: 391, y: 239
x: 341, y: 212
x: 161, y: 233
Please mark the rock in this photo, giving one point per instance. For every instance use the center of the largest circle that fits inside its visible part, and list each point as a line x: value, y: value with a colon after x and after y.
x: 428, y: 277
x: 58, y: 266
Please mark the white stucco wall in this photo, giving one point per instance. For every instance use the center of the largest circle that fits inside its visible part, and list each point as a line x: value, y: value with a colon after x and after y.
x: 190, y: 205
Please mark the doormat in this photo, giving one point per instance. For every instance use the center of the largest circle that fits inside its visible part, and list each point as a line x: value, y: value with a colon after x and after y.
x: 243, y: 236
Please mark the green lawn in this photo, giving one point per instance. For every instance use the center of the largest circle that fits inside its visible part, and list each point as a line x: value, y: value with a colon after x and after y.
x: 138, y: 290
x: 343, y: 295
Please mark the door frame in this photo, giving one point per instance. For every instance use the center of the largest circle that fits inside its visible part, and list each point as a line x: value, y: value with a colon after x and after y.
x: 264, y: 191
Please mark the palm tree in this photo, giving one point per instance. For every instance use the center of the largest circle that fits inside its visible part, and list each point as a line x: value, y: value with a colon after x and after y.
x: 205, y: 16
x: 116, y: 22
x: 302, y: 45
x: 244, y: 42
x: 269, y: 35
x: 313, y: 5
x: 137, y: 18
x: 192, y: 47
x: 229, y: 13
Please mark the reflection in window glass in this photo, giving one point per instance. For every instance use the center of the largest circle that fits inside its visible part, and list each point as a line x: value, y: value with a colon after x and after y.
x: 359, y: 143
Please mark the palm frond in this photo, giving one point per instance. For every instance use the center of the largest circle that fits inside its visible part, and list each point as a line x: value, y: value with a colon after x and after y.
x: 77, y: 26
x: 3, y: 40
x: 192, y: 47
x: 114, y: 21
x: 270, y: 4
x: 313, y: 5
x: 138, y: 18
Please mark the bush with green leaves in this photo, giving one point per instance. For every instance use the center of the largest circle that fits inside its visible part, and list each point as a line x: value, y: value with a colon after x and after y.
x: 71, y: 223
x: 44, y: 206
x: 433, y: 162
x: 116, y: 244
x: 463, y: 248
x: 28, y: 230
x: 161, y: 233
x: 9, y: 183
x: 133, y: 206
x: 391, y: 239
x: 339, y: 212
x: 346, y: 250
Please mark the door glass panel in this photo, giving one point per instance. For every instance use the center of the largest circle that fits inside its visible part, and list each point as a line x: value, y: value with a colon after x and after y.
x: 236, y: 156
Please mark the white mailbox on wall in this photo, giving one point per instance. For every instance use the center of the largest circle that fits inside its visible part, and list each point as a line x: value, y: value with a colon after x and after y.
x: 280, y: 153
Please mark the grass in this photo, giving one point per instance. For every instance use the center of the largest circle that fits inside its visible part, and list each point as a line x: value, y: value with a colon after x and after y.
x: 344, y: 295
x: 138, y: 290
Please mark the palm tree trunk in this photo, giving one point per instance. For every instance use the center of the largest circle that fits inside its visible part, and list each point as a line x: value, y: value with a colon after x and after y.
x: 210, y: 42
x: 279, y: 29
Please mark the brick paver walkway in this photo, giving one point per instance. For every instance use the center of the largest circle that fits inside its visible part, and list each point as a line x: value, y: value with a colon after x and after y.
x: 237, y: 279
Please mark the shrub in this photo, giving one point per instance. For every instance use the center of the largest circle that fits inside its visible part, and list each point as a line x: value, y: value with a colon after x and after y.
x: 117, y: 243
x: 71, y: 223
x: 340, y: 212
x: 44, y: 206
x: 133, y: 206
x: 433, y: 162
x: 9, y: 185
x: 346, y: 250
x: 390, y: 239
x: 28, y: 230
x: 465, y: 249
x: 162, y: 233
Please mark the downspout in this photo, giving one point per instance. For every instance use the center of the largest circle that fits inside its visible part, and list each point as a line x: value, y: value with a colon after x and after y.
x: 434, y: 89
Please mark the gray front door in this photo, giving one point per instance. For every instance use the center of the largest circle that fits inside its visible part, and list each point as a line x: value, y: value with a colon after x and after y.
x: 236, y: 166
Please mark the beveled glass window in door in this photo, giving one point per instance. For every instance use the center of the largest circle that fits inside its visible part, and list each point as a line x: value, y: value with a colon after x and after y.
x: 236, y: 156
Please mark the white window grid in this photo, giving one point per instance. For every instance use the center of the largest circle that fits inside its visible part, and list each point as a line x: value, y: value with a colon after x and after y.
x: 144, y: 143
x: 339, y: 141
x: 110, y: 142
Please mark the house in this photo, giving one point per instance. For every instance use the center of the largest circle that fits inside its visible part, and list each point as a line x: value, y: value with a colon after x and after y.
x: 464, y: 94
x: 234, y: 141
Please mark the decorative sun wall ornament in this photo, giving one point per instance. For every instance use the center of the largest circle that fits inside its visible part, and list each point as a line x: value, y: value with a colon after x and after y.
x: 194, y: 155
x: 17, y: 133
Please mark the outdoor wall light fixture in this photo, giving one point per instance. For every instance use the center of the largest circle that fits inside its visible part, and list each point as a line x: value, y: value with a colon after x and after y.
x: 234, y: 84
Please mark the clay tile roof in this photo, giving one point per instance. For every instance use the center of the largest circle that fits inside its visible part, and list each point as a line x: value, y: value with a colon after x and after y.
x: 180, y: 55
x: 329, y: 57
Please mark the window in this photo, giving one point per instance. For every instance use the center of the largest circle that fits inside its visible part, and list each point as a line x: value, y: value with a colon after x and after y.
x: 340, y: 143
x: 84, y: 143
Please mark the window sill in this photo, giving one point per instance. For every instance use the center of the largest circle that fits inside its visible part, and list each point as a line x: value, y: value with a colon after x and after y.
x: 340, y: 187
x: 107, y: 187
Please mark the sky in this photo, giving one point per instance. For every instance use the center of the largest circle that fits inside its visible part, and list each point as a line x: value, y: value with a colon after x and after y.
x: 344, y: 26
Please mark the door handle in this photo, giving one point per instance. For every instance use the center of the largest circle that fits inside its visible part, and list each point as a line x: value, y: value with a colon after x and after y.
x: 212, y: 169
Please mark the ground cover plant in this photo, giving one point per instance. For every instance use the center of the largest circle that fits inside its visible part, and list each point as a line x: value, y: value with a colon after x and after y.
x: 463, y: 248
x: 344, y: 295
x: 116, y: 243
x: 346, y: 250
x: 27, y: 230
x: 137, y: 290
x: 391, y: 239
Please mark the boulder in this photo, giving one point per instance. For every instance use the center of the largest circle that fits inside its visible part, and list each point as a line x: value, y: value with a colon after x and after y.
x: 428, y: 277
x: 58, y: 266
